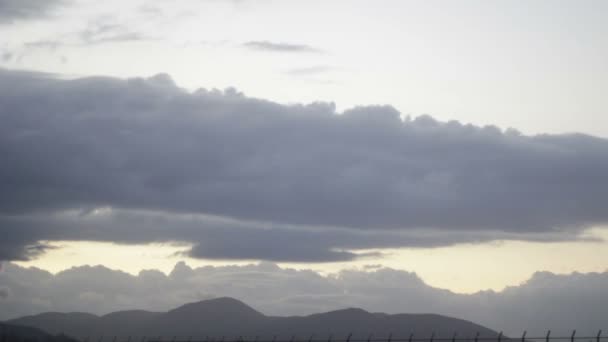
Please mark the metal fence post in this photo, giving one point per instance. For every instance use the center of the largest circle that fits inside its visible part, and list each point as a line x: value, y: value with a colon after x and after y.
x: 548, y: 336
x: 572, y: 336
x: 499, y: 336
x: 523, y: 337
x: 599, y: 336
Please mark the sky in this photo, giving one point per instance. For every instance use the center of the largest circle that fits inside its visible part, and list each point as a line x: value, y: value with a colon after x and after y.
x: 458, y: 148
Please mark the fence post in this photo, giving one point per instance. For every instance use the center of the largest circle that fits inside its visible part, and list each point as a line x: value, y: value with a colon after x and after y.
x: 432, y: 336
x: 454, y: 337
x: 548, y: 336
x: 572, y: 337
x: 411, y: 337
x: 477, y: 337
x: 348, y: 338
x: 499, y: 336
x: 599, y: 336
x: 523, y: 337
x: 390, y: 337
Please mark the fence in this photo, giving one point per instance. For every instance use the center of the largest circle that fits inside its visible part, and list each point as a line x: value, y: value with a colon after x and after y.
x: 349, y: 338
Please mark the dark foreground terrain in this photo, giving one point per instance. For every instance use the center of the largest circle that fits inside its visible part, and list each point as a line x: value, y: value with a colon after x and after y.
x: 16, y: 333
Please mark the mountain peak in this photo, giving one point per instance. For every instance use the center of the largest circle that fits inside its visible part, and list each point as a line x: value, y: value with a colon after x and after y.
x: 222, y: 306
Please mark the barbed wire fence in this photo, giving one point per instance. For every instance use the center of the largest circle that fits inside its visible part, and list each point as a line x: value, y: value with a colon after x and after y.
x: 349, y: 338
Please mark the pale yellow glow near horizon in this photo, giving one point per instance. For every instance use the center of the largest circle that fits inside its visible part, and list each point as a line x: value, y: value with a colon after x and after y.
x: 465, y: 268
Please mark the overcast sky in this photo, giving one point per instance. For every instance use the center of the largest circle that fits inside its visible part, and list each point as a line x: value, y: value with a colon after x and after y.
x: 463, y: 140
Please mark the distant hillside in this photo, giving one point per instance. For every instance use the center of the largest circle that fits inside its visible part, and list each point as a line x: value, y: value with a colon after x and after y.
x: 10, y: 333
x: 231, y: 318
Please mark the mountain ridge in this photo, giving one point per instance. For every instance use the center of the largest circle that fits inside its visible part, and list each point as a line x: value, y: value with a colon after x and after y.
x: 230, y: 317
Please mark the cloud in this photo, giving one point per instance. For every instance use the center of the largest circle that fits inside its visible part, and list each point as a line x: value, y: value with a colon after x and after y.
x: 6, y: 56
x: 279, y: 47
x: 94, y: 34
x: 314, y: 70
x: 109, y: 33
x: 14, y: 10
x: 546, y: 301
x: 4, y: 292
x: 142, y: 160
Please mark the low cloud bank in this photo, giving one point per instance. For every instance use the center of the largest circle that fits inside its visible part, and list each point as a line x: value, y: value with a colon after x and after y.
x: 546, y: 301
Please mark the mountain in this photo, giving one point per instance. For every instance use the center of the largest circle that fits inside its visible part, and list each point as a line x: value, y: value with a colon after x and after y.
x: 231, y: 318
x: 9, y: 333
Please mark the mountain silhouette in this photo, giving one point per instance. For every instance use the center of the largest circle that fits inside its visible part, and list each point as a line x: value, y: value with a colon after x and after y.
x: 230, y: 318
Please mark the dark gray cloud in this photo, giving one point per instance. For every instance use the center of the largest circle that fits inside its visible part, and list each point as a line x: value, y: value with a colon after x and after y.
x: 14, y: 10
x: 263, y: 45
x: 546, y: 301
x: 220, y: 238
x: 241, y: 178
x: 4, y: 292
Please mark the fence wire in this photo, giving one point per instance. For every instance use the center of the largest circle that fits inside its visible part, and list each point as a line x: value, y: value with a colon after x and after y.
x: 371, y: 338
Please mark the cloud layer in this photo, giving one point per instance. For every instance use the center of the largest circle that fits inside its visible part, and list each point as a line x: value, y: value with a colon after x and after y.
x: 546, y: 301
x: 142, y: 160
x: 13, y: 10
